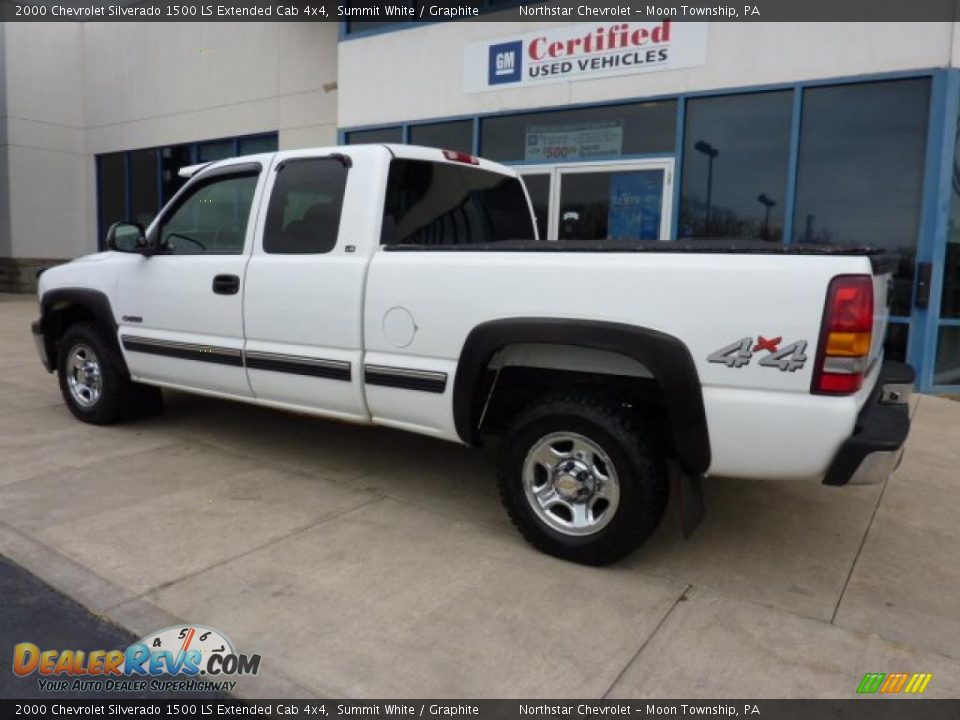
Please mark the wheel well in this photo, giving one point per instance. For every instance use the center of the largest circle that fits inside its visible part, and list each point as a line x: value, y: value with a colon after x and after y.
x: 63, y: 307
x: 511, y: 389
x: 650, y: 368
x: 58, y: 319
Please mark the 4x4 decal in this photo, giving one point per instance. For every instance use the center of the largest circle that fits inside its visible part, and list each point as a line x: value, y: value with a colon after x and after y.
x: 789, y: 358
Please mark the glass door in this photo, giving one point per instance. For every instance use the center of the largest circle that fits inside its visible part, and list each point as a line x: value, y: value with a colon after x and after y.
x: 538, y: 188
x: 946, y: 368
x: 608, y: 201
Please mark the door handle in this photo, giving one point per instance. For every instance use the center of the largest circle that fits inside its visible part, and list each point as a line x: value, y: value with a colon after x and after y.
x: 226, y: 284
x: 922, y: 297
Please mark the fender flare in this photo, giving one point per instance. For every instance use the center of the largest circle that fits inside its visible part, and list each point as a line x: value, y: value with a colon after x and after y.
x: 93, y: 300
x: 668, y: 359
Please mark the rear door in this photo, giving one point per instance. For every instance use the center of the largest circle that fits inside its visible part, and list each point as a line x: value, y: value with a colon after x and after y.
x: 303, y: 302
x: 181, y: 309
x: 411, y: 302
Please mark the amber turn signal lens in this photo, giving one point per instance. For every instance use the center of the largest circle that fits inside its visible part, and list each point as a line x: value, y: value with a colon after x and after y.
x: 848, y: 344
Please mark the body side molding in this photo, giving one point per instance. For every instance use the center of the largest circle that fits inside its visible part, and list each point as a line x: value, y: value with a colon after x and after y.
x: 298, y: 365
x: 183, y: 351
x: 667, y: 358
x: 405, y: 378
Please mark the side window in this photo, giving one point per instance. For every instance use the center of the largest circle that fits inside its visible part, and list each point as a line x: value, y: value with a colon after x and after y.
x: 212, y: 220
x: 304, y: 212
x: 432, y: 203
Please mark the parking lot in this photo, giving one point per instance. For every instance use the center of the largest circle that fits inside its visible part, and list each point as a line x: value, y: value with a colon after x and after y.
x: 371, y: 563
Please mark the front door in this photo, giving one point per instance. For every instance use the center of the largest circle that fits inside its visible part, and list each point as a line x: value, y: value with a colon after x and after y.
x: 181, y: 313
x: 629, y: 200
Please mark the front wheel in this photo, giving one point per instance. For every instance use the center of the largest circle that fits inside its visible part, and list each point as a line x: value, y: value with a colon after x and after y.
x: 94, y: 381
x: 582, y: 480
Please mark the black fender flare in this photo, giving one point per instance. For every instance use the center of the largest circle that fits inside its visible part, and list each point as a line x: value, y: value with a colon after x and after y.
x: 95, y: 301
x: 668, y: 359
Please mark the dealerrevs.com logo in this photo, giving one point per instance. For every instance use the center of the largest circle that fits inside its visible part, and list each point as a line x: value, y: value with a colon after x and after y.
x: 191, y: 658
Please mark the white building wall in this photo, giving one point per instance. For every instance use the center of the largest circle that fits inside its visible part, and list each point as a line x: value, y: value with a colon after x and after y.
x: 47, y: 186
x: 738, y: 54
x: 4, y: 175
x: 151, y: 84
x: 70, y: 91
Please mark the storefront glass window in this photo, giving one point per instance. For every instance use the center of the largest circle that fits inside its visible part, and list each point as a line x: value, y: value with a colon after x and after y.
x: 950, y: 301
x: 212, y: 151
x: 111, y: 170
x: 382, y: 135
x: 255, y: 145
x: 600, y: 133
x: 457, y: 135
x: 171, y: 160
x: 538, y: 188
x: 144, y: 177
x: 612, y: 205
x: 947, y: 369
x: 860, y: 178
x: 735, y: 160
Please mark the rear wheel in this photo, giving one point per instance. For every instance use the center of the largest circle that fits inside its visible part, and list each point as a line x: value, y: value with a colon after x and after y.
x: 582, y: 479
x: 94, y: 380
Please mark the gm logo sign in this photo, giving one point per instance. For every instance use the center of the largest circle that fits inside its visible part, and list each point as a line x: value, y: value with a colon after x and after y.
x: 505, y: 62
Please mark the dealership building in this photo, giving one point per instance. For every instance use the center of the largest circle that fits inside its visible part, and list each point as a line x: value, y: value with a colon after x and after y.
x: 835, y: 133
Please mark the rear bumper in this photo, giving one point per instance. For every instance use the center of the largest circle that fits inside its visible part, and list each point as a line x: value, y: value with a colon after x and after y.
x: 876, y: 446
x: 36, y: 329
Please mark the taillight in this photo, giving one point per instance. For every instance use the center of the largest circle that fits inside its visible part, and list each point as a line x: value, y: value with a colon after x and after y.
x: 845, y: 337
x: 461, y: 157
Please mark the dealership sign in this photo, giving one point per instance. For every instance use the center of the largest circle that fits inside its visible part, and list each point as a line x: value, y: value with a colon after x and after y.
x: 582, y: 52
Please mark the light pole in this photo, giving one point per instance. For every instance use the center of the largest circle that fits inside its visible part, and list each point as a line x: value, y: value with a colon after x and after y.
x: 767, y: 204
x: 711, y: 152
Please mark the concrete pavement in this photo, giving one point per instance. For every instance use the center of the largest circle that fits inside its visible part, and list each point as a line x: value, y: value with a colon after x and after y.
x: 35, y: 612
x: 367, y: 562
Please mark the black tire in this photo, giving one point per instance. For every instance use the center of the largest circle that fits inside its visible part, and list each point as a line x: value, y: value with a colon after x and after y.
x: 639, y: 464
x: 119, y: 398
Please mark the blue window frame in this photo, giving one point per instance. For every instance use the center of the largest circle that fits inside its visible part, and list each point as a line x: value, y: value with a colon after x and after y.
x: 135, y: 184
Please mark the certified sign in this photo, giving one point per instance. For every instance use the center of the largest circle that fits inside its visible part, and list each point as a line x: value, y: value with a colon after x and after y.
x: 582, y: 52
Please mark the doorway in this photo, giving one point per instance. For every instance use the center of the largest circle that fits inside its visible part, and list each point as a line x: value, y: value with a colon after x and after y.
x: 602, y: 201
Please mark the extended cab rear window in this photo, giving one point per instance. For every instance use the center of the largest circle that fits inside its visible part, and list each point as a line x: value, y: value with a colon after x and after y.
x: 431, y: 203
x: 304, y: 213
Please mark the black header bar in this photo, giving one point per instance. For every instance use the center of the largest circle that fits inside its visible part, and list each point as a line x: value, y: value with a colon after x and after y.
x: 326, y: 709
x: 412, y: 12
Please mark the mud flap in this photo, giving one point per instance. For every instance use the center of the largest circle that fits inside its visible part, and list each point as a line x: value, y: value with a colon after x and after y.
x: 688, y: 491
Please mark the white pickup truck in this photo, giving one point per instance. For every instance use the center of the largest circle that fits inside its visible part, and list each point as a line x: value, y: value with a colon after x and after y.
x: 406, y: 287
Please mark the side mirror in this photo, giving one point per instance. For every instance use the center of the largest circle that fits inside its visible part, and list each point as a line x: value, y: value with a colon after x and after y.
x: 128, y: 237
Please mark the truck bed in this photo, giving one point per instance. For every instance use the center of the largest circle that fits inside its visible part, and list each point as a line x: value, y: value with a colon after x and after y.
x: 881, y: 260
x: 711, y: 245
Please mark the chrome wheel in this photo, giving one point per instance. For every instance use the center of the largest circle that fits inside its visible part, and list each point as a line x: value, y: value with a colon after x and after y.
x: 84, y: 378
x: 571, y: 484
